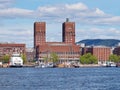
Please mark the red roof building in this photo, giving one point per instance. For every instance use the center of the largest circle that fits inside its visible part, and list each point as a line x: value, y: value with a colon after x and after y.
x: 66, y: 50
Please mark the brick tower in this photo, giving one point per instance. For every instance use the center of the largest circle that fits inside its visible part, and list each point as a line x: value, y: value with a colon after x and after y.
x: 68, y: 32
x: 39, y: 33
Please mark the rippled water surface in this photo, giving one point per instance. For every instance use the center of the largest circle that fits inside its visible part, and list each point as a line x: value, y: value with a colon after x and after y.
x: 60, y: 79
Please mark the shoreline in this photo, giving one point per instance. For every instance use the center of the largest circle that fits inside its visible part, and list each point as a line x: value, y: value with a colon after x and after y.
x: 59, y: 66
x: 89, y: 65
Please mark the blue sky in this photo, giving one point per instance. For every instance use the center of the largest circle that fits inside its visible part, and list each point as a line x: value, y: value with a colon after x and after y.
x: 95, y: 19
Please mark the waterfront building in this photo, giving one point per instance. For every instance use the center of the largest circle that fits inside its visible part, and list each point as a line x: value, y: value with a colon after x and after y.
x: 116, y: 50
x: 101, y: 52
x: 67, y: 50
x: 30, y: 54
x: 11, y: 48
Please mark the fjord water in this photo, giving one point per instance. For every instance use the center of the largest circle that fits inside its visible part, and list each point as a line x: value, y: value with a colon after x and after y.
x: 60, y: 78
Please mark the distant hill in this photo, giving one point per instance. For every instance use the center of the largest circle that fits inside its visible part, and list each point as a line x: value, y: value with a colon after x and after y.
x: 96, y: 42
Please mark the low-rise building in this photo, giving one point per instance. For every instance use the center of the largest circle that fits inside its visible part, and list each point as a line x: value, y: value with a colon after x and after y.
x: 10, y: 48
x: 101, y: 52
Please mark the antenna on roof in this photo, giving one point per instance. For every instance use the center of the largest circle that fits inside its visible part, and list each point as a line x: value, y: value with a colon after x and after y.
x: 67, y: 19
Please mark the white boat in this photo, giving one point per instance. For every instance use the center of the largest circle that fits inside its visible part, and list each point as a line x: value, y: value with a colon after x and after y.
x: 16, y: 61
x: 44, y: 65
x: 112, y: 64
x: 40, y: 66
x: 104, y: 64
x: 109, y: 64
x: 49, y: 65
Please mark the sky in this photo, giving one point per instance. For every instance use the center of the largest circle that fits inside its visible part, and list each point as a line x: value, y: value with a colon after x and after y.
x: 94, y: 19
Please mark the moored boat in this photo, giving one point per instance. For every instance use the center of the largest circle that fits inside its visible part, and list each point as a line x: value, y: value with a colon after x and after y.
x: 15, y: 61
x: 44, y: 65
x: 109, y: 64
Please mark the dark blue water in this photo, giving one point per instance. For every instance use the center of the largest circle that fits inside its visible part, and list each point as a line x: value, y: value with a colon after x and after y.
x: 60, y: 79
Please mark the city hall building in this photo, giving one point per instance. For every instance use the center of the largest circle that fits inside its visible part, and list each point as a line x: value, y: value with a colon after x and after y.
x: 67, y: 50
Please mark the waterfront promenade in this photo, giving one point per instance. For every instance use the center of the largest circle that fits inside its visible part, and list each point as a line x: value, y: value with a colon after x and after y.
x: 58, y: 66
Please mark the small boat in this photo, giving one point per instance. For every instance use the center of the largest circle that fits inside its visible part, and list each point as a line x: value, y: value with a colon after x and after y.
x: 76, y: 66
x: 110, y: 64
x: 49, y: 65
x: 43, y: 65
x: 113, y: 65
x: 104, y: 64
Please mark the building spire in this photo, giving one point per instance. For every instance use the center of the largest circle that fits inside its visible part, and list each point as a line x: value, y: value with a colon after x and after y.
x: 67, y: 19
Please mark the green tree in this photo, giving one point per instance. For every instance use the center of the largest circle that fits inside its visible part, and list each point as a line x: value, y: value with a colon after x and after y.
x: 6, y: 58
x: 88, y: 59
x: 54, y: 58
x: 114, y: 58
x: 1, y: 59
x: 24, y: 58
x: 45, y: 59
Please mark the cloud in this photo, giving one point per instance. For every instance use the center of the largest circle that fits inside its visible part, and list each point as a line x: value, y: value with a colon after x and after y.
x: 17, y: 32
x: 115, y: 20
x: 78, y: 6
x: 16, y: 35
x: 98, y: 11
x: 78, y: 12
x: 97, y: 33
x: 15, y: 13
x: 6, y: 3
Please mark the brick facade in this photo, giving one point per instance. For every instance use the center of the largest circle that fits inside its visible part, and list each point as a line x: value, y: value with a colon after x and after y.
x: 101, y: 52
x: 68, y: 32
x: 66, y: 50
x: 10, y: 48
x: 39, y: 33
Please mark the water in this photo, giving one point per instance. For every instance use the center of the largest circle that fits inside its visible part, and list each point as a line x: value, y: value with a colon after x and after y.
x: 60, y: 79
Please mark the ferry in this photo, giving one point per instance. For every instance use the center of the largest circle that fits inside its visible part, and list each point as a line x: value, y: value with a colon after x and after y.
x: 15, y: 61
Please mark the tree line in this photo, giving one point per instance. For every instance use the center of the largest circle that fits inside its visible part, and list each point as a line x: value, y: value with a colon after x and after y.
x: 84, y: 59
x: 91, y: 59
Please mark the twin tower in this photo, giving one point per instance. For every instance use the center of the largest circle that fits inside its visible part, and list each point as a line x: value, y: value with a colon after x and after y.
x: 68, y: 33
